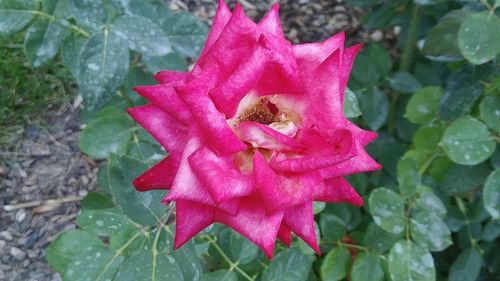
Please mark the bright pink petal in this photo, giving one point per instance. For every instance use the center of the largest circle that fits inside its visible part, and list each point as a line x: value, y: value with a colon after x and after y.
x: 349, y: 56
x: 166, y: 99
x: 186, y: 185
x: 268, y: 69
x: 360, y: 163
x: 285, y: 235
x: 222, y: 16
x: 300, y: 219
x: 321, y: 152
x: 216, y: 131
x: 219, y: 175
x: 160, y: 176
x: 253, y: 223
x: 170, y: 132
x: 270, y: 23
x: 190, y: 219
x: 260, y: 135
x: 281, y: 191
x: 311, y: 55
x: 338, y: 190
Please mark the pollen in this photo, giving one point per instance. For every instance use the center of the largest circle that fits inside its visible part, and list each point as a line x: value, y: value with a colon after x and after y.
x: 262, y: 111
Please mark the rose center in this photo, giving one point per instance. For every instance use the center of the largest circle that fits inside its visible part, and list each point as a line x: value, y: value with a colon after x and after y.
x: 262, y: 111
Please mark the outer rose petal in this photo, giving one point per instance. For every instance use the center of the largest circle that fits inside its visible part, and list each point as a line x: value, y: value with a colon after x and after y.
x: 285, y: 235
x: 219, y: 175
x: 358, y: 164
x: 311, y: 55
x: 167, y: 99
x: 160, y: 176
x: 253, y: 223
x: 170, y: 132
x: 222, y: 16
x: 191, y: 218
x: 270, y: 23
x: 300, y: 219
x: 338, y: 190
x: 186, y: 185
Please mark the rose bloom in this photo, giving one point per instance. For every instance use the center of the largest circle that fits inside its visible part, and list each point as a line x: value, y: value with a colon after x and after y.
x: 255, y: 132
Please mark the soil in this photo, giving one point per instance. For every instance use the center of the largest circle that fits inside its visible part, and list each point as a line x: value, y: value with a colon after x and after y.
x: 46, y: 168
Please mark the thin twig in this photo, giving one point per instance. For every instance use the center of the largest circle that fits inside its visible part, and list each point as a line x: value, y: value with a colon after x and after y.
x: 37, y: 203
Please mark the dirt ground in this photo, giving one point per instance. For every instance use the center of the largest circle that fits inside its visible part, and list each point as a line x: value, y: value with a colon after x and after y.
x: 44, y: 175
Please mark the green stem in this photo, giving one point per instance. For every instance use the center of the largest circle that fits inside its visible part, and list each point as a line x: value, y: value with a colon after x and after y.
x: 473, y: 241
x: 232, y: 265
x: 406, y: 59
x: 51, y: 18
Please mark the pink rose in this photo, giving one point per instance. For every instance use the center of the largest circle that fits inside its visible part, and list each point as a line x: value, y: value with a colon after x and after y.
x: 255, y: 132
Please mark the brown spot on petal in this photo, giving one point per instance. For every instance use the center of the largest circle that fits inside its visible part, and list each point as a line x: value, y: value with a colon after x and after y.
x: 263, y: 111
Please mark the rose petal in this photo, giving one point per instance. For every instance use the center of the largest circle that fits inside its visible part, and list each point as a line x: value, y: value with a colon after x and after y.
x: 360, y: 163
x: 191, y: 218
x: 260, y: 135
x: 219, y: 175
x: 270, y: 23
x: 285, y: 235
x: 253, y: 223
x: 300, y: 219
x: 170, y: 132
x: 338, y: 190
x: 166, y: 99
x: 170, y: 76
x: 160, y: 176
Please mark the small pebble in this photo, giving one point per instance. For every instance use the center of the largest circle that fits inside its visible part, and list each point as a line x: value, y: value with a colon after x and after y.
x: 6, y: 235
x: 17, y: 253
x: 377, y: 35
x: 2, y: 244
x: 20, y: 215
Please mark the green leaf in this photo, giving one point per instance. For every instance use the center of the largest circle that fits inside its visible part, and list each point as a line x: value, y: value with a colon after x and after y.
x: 336, y: 264
x: 68, y: 246
x: 142, y: 35
x: 371, y: 66
x: 428, y: 137
x: 462, y: 90
x: 491, y: 194
x: 430, y: 202
x: 478, y: 38
x: 15, y: 15
x: 459, y: 179
x: 491, y: 230
x: 351, y: 106
x: 408, y: 177
x: 146, y: 265
x: 89, y: 13
x: 238, y: 247
x: 95, y: 265
x: 367, y: 267
x: 43, y: 40
x: 467, y: 141
x: 423, y: 106
x: 220, y: 275
x: 387, y: 209
x: 466, y: 267
x: 378, y: 239
x: 490, y: 112
x: 318, y: 207
x: 70, y: 53
x: 96, y: 201
x: 441, y: 42
x: 375, y: 107
x: 143, y: 207
x: 332, y: 227
x: 105, y: 222
x: 103, y: 66
x: 288, y: 265
x: 109, y: 133
x: 186, y: 33
x: 189, y: 262
x: 410, y: 262
x: 172, y: 61
x: 404, y: 82
x: 429, y: 231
